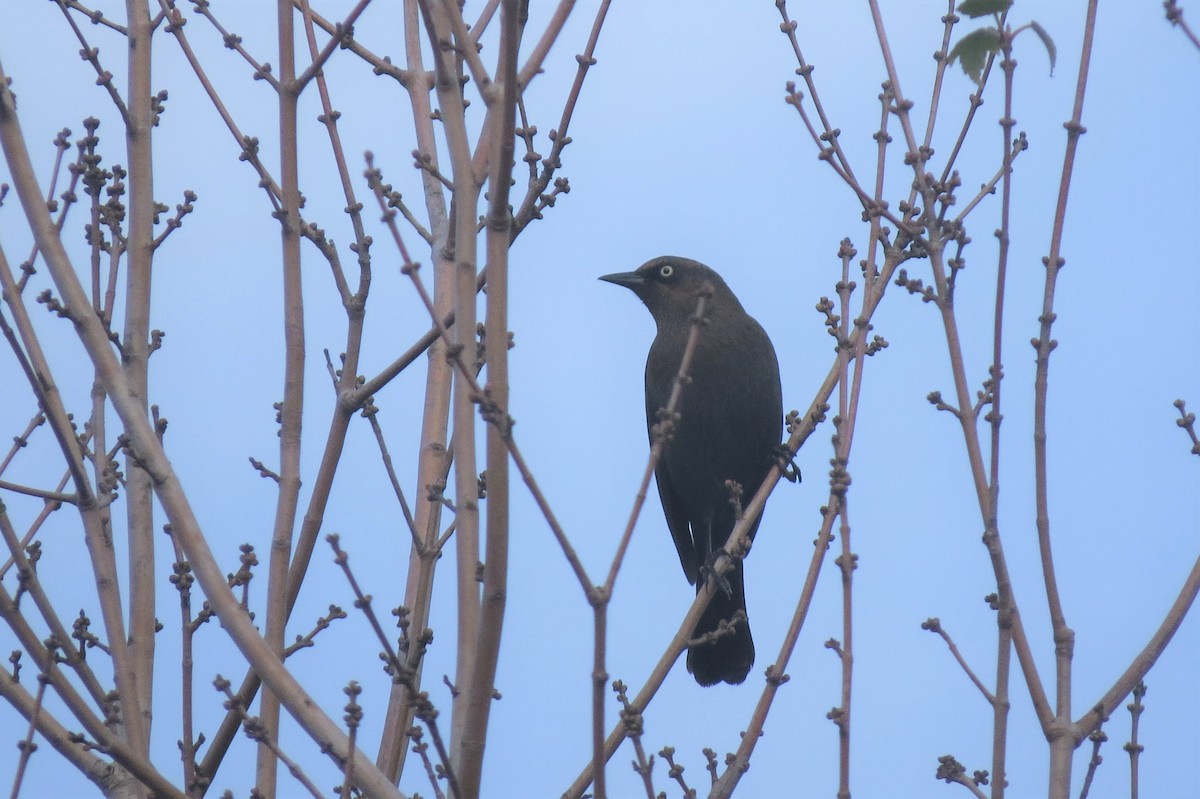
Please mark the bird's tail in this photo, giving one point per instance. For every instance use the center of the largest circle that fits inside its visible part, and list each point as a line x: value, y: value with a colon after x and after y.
x: 730, y: 654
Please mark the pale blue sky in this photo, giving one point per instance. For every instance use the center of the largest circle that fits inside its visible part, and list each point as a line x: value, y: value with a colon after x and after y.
x: 683, y: 145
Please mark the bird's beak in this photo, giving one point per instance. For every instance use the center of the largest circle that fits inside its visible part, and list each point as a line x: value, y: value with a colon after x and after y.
x: 630, y: 280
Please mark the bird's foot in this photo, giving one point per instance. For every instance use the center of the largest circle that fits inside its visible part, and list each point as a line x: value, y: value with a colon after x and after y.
x: 709, y: 569
x: 785, y: 459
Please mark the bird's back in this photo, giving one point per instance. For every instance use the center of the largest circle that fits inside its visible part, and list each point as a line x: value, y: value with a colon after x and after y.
x: 730, y: 418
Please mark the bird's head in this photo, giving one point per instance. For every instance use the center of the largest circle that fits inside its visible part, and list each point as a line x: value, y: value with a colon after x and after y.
x: 670, y: 286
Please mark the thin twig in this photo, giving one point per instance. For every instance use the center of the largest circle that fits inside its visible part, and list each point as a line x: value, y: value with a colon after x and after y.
x: 247, y: 144
x: 1175, y: 17
x: 41, y: 493
x: 382, y: 65
x: 262, y: 71
x: 1097, y: 738
x: 530, y: 209
x: 343, y: 33
x: 661, y: 434
x: 952, y: 771
x: 1187, y: 421
x: 21, y: 440
x: 1133, y: 747
x: 92, y: 56
x: 371, y: 413
x: 934, y: 625
x: 96, y: 17
x: 400, y: 670
x: 44, y: 660
x: 257, y: 732
x: 143, y: 440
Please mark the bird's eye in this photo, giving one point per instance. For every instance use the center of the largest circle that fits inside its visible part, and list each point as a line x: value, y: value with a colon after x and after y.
x: 666, y: 271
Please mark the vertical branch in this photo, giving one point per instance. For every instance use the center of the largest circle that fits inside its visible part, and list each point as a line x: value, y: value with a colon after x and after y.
x: 466, y: 475
x: 967, y: 413
x: 534, y: 195
x: 433, y: 455
x: 144, y: 442
x: 599, y: 678
x: 994, y: 417
x: 463, y: 246
x: 103, y: 464
x: 187, y: 743
x: 1004, y: 598
x: 335, y: 439
x: 97, y: 531
x: 846, y: 564
x: 919, y: 155
x: 935, y: 96
x: 1136, y: 708
x: 292, y: 409
x: 479, y: 691
x: 839, y: 485
x: 136, y: 348
x: 1062, y: 738
x: 1001, y: 702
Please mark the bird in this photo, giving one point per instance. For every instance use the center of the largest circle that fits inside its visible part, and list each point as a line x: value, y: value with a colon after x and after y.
x: 728, y: 429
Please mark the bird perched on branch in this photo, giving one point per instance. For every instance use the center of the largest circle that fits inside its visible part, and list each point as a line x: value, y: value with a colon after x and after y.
x: 727, y: 432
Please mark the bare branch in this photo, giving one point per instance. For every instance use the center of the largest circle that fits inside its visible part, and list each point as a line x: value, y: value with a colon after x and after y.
x: 1175, y: 17
x: 96, y: 17
x: 144, y: 442
x: 934, y: 625
x: 256, y: 731
x: 92, y: 56
x: 1187, y: 421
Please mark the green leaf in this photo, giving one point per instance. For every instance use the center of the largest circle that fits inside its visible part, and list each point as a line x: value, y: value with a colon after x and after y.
x: 981, y: 8
x: 1051, y: 50
x: 972, y: 51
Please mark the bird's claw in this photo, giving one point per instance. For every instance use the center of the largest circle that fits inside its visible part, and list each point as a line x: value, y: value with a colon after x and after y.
x: 785, y: 459
x: 709, y: 568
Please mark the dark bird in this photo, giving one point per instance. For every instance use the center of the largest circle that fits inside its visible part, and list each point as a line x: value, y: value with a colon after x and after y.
x: 729, y: 423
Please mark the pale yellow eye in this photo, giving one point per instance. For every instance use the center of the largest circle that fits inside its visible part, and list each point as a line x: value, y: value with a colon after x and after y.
x: 666, y: 270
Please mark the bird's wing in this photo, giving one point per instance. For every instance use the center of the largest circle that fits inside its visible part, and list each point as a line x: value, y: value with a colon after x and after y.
x: 677, y: 521
x: 657, y: 394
